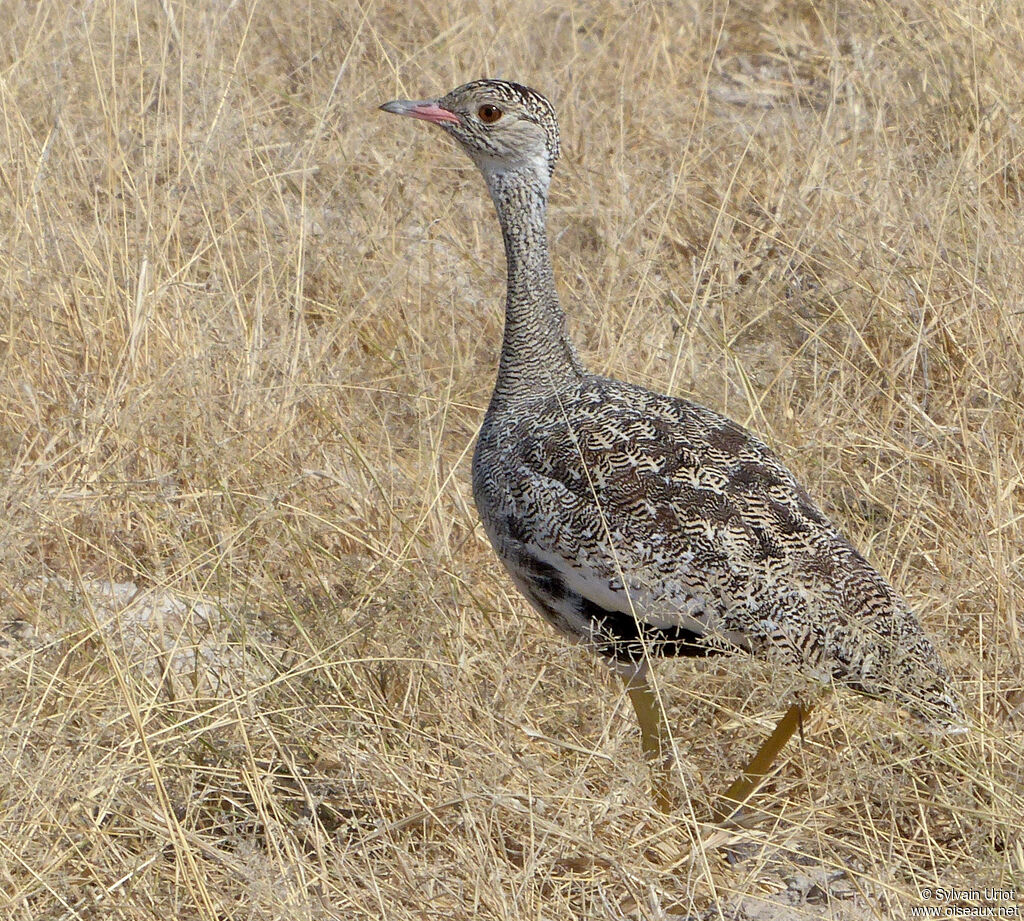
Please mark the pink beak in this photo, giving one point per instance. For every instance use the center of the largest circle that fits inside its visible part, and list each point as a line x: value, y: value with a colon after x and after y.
x: 426, y: 109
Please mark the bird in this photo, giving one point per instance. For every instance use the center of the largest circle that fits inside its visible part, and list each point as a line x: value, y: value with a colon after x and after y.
x: 644, y: 525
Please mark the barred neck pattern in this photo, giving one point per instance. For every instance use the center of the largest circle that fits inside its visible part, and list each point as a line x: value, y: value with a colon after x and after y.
x: 537, y: 355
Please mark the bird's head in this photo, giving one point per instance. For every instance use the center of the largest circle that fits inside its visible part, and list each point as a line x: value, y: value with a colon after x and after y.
x: 503, y: 126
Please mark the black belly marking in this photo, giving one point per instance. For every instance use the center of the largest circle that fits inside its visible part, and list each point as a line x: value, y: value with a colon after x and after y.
x: 621, y: 636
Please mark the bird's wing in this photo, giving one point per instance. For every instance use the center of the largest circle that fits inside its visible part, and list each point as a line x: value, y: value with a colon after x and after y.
x: 664, y: 508
x: 678, y: 520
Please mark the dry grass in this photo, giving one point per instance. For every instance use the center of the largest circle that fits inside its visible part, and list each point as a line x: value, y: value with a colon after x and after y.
x: 258, y: 660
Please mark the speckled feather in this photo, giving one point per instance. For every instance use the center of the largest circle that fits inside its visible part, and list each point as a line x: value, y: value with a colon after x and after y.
x: 647, y: 525
x: 642, y: 524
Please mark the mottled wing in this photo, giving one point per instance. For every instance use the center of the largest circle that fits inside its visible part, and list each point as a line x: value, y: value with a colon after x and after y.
x: 650, y: 525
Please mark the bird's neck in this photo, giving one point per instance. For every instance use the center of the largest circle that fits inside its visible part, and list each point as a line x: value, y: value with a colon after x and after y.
x: 537, y: 356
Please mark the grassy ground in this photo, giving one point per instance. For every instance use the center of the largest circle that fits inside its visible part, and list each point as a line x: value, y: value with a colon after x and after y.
x: 257, y: 659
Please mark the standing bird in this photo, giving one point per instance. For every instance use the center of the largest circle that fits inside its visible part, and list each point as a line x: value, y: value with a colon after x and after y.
x: 644, y: 525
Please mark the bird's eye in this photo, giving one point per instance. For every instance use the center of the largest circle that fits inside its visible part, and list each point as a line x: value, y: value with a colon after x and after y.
x: 488, y: 114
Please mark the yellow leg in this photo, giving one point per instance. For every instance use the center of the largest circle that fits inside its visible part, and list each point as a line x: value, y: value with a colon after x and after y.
x: 654, y: 737
x: 761, y: 763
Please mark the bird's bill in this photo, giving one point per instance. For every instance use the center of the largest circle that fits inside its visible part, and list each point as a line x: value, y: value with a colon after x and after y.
x: 426, y: 109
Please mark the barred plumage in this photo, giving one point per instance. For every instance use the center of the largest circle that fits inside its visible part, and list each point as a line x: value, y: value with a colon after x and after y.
x: 643, y: 524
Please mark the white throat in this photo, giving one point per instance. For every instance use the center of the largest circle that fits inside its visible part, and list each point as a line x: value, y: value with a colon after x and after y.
x: 533, y: 168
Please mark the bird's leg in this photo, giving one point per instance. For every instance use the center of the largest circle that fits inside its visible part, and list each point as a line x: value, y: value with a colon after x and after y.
x: 761, y: 763
x: 654, y: 735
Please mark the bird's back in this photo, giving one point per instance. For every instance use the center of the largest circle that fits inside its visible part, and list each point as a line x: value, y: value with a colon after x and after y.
x: 646, y: 524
